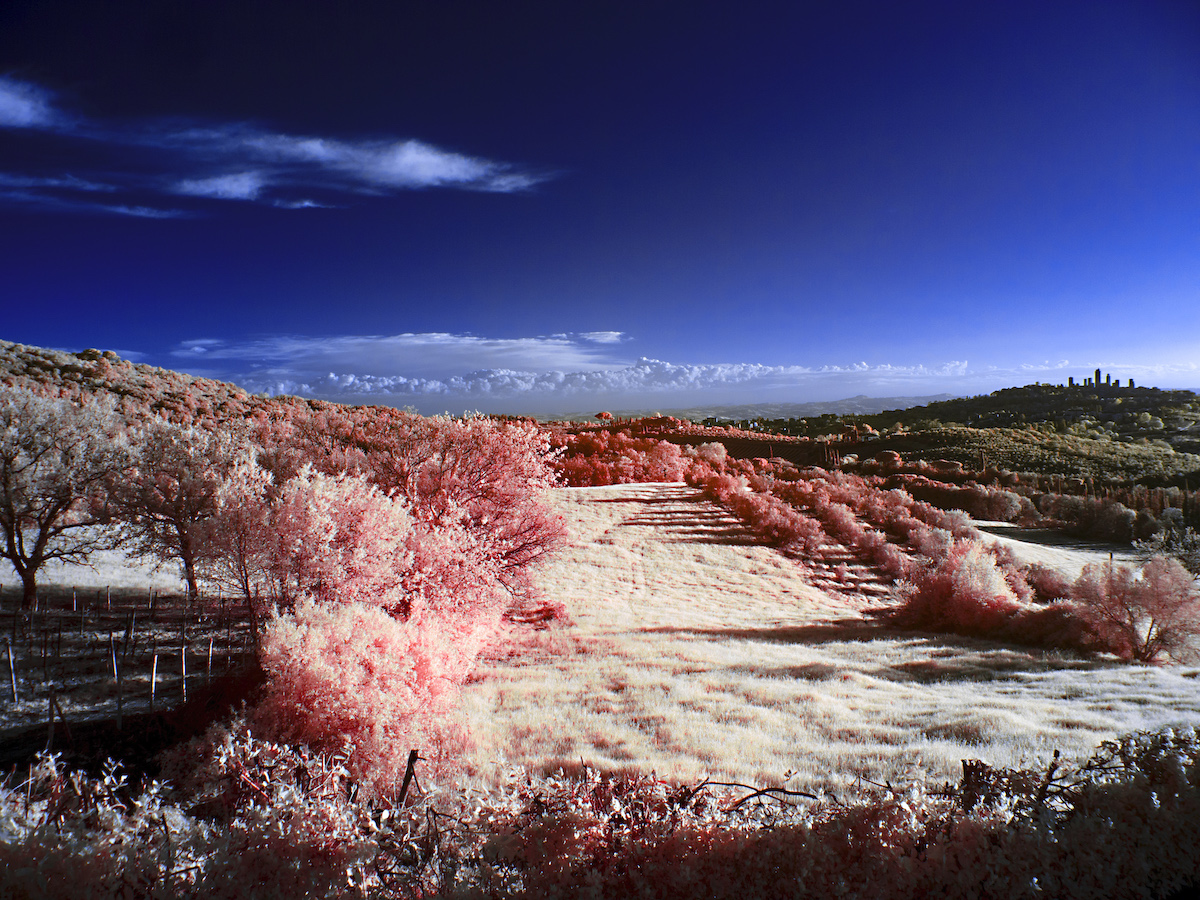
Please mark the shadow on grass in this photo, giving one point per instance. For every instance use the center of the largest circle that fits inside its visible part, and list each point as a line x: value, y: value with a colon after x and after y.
x: 692, y: 526
x: 670, y: 493
x: 948, y: 657
x: 681, y: 515
x: 837, y: 631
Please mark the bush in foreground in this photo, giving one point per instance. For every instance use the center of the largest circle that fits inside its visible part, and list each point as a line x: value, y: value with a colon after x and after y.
x: 249, y: 818
x: 349, y: 677
x: 966, y: 593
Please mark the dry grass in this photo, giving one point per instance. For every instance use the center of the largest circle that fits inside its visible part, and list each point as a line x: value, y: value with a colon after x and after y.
x: 694, y: 652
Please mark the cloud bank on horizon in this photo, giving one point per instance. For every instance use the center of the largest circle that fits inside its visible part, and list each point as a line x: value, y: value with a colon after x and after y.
x: 227, y: 162
x: 568, y: 372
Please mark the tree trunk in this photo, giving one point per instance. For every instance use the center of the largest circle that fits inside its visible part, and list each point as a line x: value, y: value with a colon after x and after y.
x: 29, y: 594
x: 187, y: 555
x: 189, y: 574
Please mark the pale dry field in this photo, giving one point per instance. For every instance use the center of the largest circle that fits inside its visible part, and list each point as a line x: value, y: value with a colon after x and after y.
x: 695, y: 653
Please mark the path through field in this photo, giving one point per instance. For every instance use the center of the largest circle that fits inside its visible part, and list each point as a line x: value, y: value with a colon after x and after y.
x: 695, y: 652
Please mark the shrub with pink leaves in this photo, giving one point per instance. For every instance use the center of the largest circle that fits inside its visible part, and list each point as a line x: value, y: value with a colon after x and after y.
x: 966, y: 593
x: 341, y: 674
x: 1140, y: 618
x: 1048, y: 584
x: 338, y: 538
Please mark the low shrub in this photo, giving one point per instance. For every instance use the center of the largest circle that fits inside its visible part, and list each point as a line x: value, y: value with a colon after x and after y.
x: 251, y: 818
x: 1048, y: 584
x: 966, y: 593
x: 1140, y: 618
x: 348, y: 677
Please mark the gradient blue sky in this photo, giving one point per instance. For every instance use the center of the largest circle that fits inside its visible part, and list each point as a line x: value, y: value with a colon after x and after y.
x: 536, y: 207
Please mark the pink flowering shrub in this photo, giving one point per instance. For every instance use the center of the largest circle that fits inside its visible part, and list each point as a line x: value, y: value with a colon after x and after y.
x: 1048, y: 584
x: 767, y: 517
x: 485, y: 476
x: 384, y: 599
x: 615, y: 457
x: 966, y: 593
x: 350, y: 674
x: 1141, y: 618
x: 337, y: 538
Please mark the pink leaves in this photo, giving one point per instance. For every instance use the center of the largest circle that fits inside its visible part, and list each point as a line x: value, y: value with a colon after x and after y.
x: 966, y: 593
x: 349, y: 672
x: 1140, y: 618
x: 397, y: 574
x: 339, y: 539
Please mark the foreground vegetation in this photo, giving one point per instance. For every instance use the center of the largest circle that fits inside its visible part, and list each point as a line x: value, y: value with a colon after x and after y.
x: 259, y: 819
x: 378, y: 556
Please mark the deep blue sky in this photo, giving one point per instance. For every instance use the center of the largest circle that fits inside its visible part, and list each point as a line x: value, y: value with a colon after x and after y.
x: 559, y: 206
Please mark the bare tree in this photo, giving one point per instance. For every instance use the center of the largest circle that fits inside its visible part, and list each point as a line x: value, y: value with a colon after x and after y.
x: 57, y: 461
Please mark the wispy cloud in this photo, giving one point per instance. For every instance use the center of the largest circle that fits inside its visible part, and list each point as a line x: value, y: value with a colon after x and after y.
x: 65, y: 182
x: 239, y: 186
x: 403, y: 165
x: 24, y: 105
x: 233, y: 161
x: 432, y: 355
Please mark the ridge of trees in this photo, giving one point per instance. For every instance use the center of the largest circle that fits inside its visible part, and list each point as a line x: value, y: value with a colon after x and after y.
x: 417, y: 536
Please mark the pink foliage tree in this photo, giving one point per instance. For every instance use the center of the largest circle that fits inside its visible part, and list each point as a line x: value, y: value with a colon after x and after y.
x: 338, y: 538
x: 1141, y: 618
x: 169, y: 498
x: 484, y: 476
x: 239, y: 533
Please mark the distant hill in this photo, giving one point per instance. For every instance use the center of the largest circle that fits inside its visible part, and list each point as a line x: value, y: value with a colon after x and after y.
x: 1101, y: 411
x: 96, y: 371
x: 860, y: 405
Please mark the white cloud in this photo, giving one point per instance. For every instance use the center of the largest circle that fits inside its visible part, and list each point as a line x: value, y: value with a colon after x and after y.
x: 301, y: 204
x: 441, y: 369
x: 240, y: 186
x: 224, y: 162
x: 647, y: 381
x: 433, y: 355
x: 406, y: 164
x: 559, y: 372
x: 24, y: 105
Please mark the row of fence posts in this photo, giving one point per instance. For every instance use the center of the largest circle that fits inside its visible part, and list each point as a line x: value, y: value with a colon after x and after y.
x: 117, y: 658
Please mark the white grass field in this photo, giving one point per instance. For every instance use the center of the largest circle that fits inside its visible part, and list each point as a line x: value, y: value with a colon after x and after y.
x: 694, y: 652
